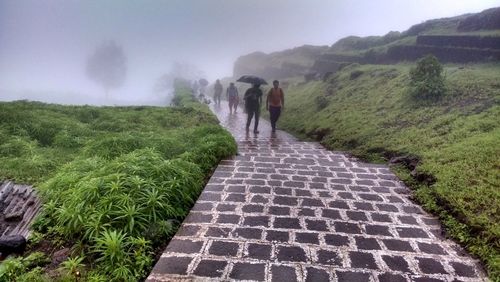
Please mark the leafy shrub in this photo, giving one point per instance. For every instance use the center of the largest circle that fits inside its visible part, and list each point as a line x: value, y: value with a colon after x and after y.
x: 427, y: 79
x: 11, y: 268
x: 72, y: 266
x: 68, y: 139
x: 112, y: 146
x: 113, y: 205
x: 15, y: 147
x: 23, y: 269
x: 86, y: 114
x: 34, y: 275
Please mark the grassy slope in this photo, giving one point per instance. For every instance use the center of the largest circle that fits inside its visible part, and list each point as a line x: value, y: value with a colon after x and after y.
x: 128, y: 173
x: 457, y: 139
x: 36, y: 138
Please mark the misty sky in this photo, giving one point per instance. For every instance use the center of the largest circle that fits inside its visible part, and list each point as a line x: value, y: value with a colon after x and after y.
x: 44, y: 44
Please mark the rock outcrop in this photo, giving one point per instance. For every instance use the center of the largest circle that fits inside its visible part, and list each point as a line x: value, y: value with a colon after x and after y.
x: 19, y: 205
x: 12, y: 244
x: 278, y: 65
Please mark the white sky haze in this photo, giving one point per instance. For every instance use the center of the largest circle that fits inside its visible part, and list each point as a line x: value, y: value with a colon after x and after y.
x: 44, y: 44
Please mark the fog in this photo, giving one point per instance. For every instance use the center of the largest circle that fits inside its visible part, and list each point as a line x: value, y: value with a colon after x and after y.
x: 45, y: 45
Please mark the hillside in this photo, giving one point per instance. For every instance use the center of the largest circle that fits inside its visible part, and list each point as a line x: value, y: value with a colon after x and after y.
x: 461, y: 39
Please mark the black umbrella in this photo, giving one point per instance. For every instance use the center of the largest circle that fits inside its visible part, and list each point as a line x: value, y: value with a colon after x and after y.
x: 203, y: 82
x: 252, y: 79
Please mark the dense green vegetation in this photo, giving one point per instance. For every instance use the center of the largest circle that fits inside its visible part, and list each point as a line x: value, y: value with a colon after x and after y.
x: 369, y: 111
x: 116, y: 181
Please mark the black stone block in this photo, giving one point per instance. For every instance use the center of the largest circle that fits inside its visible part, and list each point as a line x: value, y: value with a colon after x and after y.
x: 317, y: 275
x: 259, y: 251
x: 345, y: 227
x: 398, y: 245
x: 172, y: 265
x: 221, y: 248
x: 362, y: 260
x: 367, y: 243
x: 210, y: 268
x: 279, y: 236
x: 248, y: 271
x: 428, y: 265
x: 285, y: 253
x: 336, y: 240
x: 396, y: 263
x: 281, y: 273
x: 287, y: 222
x: 309, y: 238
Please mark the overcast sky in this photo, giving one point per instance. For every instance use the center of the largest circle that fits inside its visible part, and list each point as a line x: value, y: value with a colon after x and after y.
x: 44, y: 44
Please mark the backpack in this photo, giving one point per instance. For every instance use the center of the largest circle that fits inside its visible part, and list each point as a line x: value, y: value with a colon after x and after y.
x: 232, y: 92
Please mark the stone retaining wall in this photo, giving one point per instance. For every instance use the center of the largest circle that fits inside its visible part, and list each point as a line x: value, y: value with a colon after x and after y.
x: 469, y: 41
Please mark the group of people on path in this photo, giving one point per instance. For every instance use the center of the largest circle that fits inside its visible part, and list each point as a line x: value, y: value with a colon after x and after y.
x: 275, y: 102
x: 231, y: 95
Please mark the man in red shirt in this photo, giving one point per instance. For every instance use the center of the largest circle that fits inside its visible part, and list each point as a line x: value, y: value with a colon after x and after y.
x: 275, y: 102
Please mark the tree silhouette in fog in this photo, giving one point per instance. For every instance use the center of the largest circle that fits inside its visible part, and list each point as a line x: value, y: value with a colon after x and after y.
x: 178, y: 70
x: 107, y: 66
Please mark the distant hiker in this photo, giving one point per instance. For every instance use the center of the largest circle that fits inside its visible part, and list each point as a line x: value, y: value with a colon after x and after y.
x: 217, y: 92
x: 275, y: 102
x: 253, y: 102
x: 232, y: 97
x: 201, y: 97
x: 195, y: 87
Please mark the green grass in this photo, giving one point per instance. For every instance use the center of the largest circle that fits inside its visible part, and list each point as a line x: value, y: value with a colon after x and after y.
x: 456, y: 137
x: 115, y: 181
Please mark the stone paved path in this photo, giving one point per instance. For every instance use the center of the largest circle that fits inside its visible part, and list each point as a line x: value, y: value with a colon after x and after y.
x: 284, y: 210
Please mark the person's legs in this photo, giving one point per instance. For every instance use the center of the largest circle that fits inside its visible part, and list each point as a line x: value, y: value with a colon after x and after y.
x: 272, y: 117
x: 230, y: 102
x: 250, y: 113
x: 256, y: 123
x: 277, y: 114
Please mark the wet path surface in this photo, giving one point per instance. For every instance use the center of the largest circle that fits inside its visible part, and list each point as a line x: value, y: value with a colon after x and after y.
x: 285, y: 210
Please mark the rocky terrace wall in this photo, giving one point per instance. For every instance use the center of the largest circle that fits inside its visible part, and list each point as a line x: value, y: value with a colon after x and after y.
x: 470, y: 41
x: 444, y: 54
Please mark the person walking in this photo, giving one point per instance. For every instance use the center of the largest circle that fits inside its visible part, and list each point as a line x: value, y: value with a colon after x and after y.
x: 232, y: 97
x: 253, y: 102
x: 195, y: 88
x: 275, y: 103
x: 217, y: 92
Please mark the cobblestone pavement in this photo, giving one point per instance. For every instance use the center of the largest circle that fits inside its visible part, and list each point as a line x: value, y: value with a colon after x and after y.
x: 284, y: 210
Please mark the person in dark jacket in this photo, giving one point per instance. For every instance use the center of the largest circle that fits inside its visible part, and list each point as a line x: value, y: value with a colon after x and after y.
x: 232, y: 97
x: 253, y: 102
x: 217, y: 92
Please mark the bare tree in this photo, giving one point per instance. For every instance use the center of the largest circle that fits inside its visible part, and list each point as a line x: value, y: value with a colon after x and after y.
x: 107, y: 66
